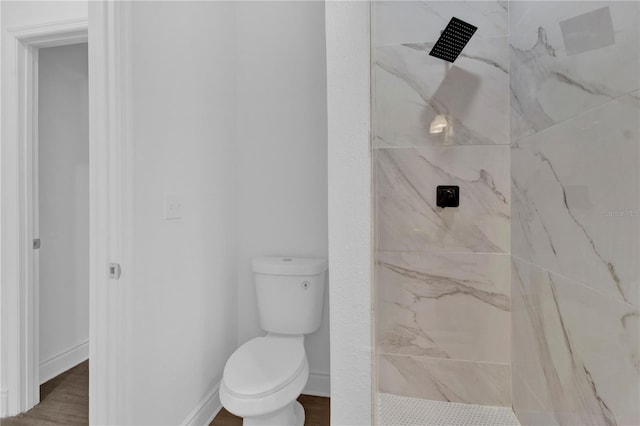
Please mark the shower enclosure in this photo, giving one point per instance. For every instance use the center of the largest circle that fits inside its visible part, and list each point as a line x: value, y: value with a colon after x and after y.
x: 524, y: 299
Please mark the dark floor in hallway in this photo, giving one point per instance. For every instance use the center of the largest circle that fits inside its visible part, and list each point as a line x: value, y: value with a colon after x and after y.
x: 64, y: 400
x: 316, y: 410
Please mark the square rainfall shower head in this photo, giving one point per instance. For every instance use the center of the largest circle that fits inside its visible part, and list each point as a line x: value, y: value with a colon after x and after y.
x: 453, y: 39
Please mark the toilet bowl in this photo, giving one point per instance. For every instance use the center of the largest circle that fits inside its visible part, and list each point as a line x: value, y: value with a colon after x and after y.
x: 263, y: 378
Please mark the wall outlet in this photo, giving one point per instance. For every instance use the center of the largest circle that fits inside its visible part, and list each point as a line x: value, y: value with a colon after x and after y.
x: 172, y: 206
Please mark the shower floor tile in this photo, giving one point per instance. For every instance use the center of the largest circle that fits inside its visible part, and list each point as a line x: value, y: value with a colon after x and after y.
x: 401, y: 410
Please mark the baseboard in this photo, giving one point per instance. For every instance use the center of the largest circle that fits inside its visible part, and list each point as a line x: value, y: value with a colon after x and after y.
x: 206, y: 409
x: 64, y: 361
x: 318, y: 385
x: 4, y: 400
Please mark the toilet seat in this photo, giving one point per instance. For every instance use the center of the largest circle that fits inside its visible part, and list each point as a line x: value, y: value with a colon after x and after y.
x: 264, y: 375
x: 263, y: 366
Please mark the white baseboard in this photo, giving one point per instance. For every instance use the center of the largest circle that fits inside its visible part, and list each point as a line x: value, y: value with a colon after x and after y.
x: 318, y: 385
x: 64, y: 361
x: 206, y: 409
x: 4, y: 400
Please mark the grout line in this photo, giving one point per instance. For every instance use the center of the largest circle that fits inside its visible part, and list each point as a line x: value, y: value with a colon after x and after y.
x: 422, y: 40
x: 575, y: 282
x: 434, y: 146
x: 439, y: 252
x: 503, y: 364
x: 516, y: 142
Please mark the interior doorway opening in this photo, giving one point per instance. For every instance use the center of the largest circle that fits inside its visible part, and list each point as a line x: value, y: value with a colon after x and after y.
x: 109, y: 200
x: 48, y: 329
x: 61, y: 216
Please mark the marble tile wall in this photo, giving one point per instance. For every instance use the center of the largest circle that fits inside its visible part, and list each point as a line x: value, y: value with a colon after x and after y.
x: 411, y: 87
x: 442, y: 276
x: 575, y: 161
x: 549, y: 85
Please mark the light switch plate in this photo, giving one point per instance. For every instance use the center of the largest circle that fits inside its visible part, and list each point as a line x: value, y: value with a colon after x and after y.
x: 172, y: 206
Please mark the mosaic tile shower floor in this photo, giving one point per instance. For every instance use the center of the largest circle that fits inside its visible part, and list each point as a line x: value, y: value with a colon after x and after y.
x: 399, y: 410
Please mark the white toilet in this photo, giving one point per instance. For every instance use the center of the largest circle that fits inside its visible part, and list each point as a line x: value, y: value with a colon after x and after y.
x: 264, y: 377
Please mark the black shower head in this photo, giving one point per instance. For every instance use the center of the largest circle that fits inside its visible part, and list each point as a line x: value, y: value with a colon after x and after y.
x: 453, y: 39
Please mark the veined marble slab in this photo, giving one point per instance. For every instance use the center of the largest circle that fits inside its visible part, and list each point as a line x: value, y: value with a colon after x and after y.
x: 398, y: 22
x: 576, y: 207
x: 444, y: 380
x: 412, y: 88
x: 576, y: 349
x: 406, y: 215
x: 548, y: 85
x: 444, y: 305
x: 529, y: 410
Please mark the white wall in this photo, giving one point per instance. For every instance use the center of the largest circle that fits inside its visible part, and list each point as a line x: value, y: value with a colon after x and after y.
x: 182, y: 319
x: 348, y: 98
x: 15, y: 15
x: 282, y: 152
x: 3, y: 390
x: 63, y: 184
x: 229, y: 111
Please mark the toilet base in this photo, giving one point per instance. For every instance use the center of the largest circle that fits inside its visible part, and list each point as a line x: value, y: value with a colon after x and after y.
x: 290, y: 415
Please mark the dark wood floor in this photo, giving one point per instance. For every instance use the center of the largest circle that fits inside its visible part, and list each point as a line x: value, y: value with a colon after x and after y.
x: 64, y: 400
x: 316, y: 410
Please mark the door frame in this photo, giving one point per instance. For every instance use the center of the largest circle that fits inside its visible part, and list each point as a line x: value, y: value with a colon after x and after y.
x: 110, y: 191
x: 29, y: 41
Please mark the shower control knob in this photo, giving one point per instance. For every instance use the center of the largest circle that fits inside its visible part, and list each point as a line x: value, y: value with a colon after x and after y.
x: 447, y: 196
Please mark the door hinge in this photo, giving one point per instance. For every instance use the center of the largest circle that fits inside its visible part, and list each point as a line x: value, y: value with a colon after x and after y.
x: 36, y: 243
x: 114, y: 271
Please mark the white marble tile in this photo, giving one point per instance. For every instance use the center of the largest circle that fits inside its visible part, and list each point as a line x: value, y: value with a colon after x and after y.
x: 528, y: 410
x: 526, y: 306
x: 412, y: 88
x: 397, y: 22
x: 575, y: 199
x: 444, y: 305
x: 406, y: 215
x: 576, y: 349
x: 549, y: 85
x: 444, y: 380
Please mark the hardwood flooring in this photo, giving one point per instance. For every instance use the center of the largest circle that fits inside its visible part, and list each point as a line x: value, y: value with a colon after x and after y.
x: 64, y: 400
x: 316, y: 410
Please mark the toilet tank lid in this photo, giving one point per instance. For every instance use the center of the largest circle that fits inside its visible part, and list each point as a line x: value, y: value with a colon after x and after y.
x: 289, y: 265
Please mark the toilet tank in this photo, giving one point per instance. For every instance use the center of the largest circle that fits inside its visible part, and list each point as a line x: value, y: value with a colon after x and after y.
x: 290, y: 293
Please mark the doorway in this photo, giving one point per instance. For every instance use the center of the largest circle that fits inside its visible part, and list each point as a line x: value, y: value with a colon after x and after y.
x: 61, y: 209
x: 108, y: 204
